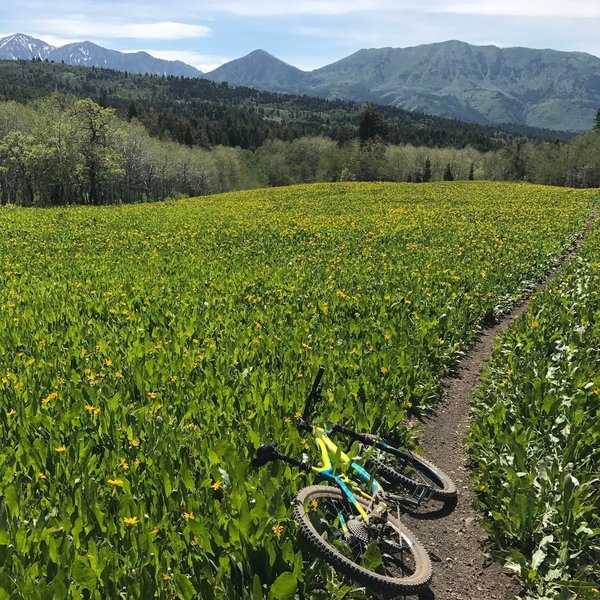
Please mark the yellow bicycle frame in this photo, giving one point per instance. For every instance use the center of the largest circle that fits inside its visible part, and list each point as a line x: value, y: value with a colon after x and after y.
x: 326, y: 445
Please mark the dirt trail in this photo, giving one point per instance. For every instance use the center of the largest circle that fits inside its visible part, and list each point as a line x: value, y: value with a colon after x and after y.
x: 455, y: 542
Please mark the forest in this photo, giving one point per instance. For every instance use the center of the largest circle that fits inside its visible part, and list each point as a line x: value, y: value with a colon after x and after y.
x: 198, y: 112
x: 60, y: 147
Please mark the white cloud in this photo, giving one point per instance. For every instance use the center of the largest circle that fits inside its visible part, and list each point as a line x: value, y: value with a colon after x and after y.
x: 82, y: 27
x: 276, y: 8
x: 204, y: 62
x: 54, y: 40
x: 521, y: 8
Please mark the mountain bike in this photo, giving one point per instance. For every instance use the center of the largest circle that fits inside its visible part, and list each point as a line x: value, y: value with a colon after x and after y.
x: 355, y: 525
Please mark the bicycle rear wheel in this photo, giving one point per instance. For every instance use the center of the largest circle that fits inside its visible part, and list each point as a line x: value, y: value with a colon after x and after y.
x: 384, y: 556
x: 410, y: 471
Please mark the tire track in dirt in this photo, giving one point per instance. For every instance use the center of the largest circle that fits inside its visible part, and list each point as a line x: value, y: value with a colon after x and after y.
x: 456, y: 541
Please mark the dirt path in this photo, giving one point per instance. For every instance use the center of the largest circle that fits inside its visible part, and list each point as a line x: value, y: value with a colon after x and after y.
x: 455, y: 542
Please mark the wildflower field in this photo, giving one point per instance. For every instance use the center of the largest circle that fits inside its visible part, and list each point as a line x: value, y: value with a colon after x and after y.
x: 147, y: 350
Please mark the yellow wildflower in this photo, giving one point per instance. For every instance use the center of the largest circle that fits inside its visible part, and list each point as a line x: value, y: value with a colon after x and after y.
x: 115, y: 482
x: 189, y: 516
x: 131, y: 520
x: 60, y: 449
x: 277, y: 530
x: 217, y: 485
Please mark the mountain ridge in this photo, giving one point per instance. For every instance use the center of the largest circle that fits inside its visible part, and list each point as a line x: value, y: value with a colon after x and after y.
x: 549, y: 89
x: 20, y: 46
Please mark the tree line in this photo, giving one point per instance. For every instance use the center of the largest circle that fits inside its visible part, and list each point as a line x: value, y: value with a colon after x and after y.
x: 62, y: 149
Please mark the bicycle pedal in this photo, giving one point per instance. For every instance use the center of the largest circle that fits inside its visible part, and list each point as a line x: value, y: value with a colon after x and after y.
x: 410, y: 500
x: 422, y: 493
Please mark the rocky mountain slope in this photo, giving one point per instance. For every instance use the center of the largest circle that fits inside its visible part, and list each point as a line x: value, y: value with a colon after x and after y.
x: 484, y: 84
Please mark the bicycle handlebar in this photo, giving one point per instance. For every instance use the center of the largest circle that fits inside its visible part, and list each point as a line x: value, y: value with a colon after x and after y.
x: 268, y: 452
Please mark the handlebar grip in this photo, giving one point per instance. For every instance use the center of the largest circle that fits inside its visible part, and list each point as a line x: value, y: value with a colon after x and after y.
x: 264, y: 454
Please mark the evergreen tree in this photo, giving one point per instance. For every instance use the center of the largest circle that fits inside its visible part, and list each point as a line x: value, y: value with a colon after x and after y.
x: 343, y: 134
x: 372, y: 126
x: 448, y: 175
x: 597, y: 120
x: 472, y: 172
x: 426, y: 175
x: 132, y: 111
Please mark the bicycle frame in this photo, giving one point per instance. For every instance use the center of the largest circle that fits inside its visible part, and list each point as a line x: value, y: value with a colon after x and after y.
x: 326, y: 445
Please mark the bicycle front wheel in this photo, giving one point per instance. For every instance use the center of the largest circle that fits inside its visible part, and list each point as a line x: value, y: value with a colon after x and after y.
x: 383, y: 555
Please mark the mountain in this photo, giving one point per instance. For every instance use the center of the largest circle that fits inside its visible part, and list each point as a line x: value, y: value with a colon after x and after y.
x: 486, y: 84
x: 87, y: 54
x: 23, y: 47
x: 483, y: 84
x: 261, y: 70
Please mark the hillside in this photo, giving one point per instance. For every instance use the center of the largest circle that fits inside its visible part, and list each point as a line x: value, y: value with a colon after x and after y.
x: 195, y: 111
x: 483, y: 84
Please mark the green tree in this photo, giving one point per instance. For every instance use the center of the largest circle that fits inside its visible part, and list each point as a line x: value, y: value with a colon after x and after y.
x: 426, y: 173
x: 372, y: 126
x: 448, y: 175
x: 15, y: 167
x: 101, y: 158
x: 597, y: 120
x: 343, y: 135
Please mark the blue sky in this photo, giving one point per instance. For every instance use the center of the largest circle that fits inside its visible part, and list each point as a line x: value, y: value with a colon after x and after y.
x: 305, y: 33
